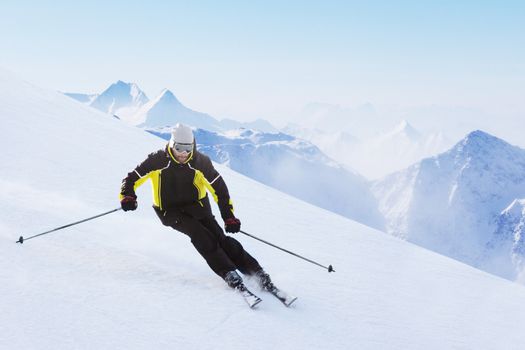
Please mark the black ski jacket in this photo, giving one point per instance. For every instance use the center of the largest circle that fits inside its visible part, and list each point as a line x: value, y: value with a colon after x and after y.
x: 180, y: 187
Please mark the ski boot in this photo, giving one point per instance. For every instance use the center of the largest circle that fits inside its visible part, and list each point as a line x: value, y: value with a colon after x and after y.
x: 264, y: 280
x: 233, y: 279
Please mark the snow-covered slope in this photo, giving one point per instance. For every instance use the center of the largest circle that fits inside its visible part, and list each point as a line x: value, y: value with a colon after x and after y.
x: 124, y: 281
x: 293, y: 166
x: 449, y: 203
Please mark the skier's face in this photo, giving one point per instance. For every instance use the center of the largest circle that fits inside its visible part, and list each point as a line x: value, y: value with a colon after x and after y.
x: 181, y: 157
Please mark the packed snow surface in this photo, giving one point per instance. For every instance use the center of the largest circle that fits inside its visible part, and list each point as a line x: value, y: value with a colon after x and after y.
x: 124, y: 281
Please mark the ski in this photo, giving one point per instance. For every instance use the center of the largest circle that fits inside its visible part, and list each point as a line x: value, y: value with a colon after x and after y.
x: 283, y: 297
x: 251, y: 299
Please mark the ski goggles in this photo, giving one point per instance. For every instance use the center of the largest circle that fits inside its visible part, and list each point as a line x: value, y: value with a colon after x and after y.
x: 183, y: 147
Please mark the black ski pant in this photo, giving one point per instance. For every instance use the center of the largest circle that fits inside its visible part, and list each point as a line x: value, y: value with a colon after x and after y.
x: 222, y: 253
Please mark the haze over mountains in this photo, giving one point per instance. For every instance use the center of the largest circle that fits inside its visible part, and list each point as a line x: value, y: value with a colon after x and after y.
x: 369, y: 137
x: 356, y: 138
x: 377, y: 155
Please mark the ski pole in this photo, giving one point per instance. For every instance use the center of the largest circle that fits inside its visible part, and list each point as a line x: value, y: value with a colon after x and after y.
x: 22, y: 239
x: 329, y: 268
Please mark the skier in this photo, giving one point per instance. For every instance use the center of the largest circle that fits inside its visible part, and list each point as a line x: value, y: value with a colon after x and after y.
x: 181, y: 176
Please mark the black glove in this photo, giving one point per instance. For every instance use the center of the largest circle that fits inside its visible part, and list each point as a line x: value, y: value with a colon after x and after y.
x: 232, y: 225
x: 128, y: 203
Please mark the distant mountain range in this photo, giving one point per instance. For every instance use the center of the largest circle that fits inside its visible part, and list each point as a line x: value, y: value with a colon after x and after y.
x: 373, y: 156
x: 367, y: 120
x: 130, y: 104
x: 464, y: 203
x: 378, y: 155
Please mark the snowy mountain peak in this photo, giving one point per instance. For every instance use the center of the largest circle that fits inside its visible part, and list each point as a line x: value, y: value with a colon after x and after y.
x: 166, y: 96
x: 480, y: 138
x: 486, y: 148
x: 122, y: 88
x: 404, y: 128
x: 120, y: 83
x: 120, y: 96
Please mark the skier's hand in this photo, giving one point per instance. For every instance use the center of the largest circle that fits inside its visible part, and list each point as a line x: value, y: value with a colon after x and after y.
x: 128, y: 203
x: 232, y: 225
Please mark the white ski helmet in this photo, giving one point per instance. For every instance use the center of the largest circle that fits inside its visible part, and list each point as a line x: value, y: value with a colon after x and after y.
x: 181, y: 134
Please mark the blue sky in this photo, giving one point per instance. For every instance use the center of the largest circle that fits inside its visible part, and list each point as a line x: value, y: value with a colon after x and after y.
x: 269, y: 58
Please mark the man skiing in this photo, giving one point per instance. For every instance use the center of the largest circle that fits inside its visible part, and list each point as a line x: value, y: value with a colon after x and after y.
x: 181, y: 176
